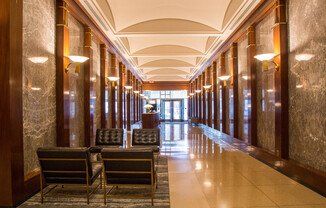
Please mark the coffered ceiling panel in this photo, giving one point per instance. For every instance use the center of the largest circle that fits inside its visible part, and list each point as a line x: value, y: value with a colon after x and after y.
x: 168, y: 40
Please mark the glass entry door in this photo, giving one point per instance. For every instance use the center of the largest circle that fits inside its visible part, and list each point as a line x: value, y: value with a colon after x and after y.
x: 173, y: 110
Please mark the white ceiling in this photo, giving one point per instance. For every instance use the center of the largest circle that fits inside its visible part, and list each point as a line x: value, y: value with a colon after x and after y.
x: 168, y: 40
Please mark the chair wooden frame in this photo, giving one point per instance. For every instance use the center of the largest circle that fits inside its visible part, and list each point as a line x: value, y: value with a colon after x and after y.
x: 88, y: 193
x: 152, y: 185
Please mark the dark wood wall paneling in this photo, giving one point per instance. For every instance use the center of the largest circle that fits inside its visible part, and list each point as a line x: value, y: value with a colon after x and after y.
x: 281, y: 81
x: 209, y: 95
x: 204, y: 101
x: 120, y: 97
x: 111, y: 88
x: 200, y: 103
x: 103, y: 80
x: 166, y: 85
x: 11, y: 105
x: 62, y: 78
x: 216, y: 88
x: 234, y: 71
x: 88, y: 88
x: 252, y: 86
x: 223, y: 71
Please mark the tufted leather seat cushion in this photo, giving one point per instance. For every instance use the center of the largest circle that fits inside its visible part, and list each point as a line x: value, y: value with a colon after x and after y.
x: 109, y: 137
x: 146, y: 137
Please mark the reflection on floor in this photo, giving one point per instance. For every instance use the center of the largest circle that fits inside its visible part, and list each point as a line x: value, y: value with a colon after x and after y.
x: 204, y: 171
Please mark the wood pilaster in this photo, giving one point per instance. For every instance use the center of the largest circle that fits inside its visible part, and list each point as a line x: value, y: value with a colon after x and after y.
x: 133, y: 99
x: 120, y: 97
x: 88, y: 89
x: 200, y: 113
x: 209, y: 95
x: 216, y: 97
x: 223, y: 71
x: 252, y: 86
x: 204, y: 120
x: 11, y: 104
x: 234, y: 70
x: 129, y: 81
x: 62, y: 81
x: 281, y: 81
x: 111, y: 88
x: 103, y: 80
x: 196, y: 100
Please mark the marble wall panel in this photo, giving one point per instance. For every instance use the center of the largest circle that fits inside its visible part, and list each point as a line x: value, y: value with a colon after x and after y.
x: 244, y: 92
x: 39, y: 82
x: 97, y: 85
x: 229, y: 95
x: 307, y: 82
x: 76, y: 84
x: 265, y: 86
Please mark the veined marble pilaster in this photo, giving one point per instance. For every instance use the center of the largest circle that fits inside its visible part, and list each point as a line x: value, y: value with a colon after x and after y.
x: 265, y: 86
x: 76, y: 84
x: 39, y: 78
x: 307, y: 82
x: 228, y: 95
x: 244, y: 92
x: 97, y: 85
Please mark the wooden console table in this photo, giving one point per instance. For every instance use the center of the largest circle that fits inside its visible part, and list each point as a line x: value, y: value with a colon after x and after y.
x: 150, y: 120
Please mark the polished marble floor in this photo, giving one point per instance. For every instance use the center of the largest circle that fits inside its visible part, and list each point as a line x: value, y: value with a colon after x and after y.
x: 205, y: 171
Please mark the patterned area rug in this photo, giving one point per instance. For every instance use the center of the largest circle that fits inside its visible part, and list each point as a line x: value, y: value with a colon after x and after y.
x: 161, y: 197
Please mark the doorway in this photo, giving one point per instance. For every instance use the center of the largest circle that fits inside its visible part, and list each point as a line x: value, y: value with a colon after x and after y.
x: 172, y: 110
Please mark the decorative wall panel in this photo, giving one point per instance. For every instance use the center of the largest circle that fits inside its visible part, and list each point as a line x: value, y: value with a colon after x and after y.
x: 265, y: 86
x: 96, y: 98
x: 307, y: 82
x: 244, y: 91
x: 39, y: 101
x: 76, y: 84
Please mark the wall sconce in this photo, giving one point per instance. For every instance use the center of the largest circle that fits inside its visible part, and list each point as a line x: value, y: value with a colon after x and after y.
x: 224, y: 78
x: 192, y: 94
x: 265, y: 58
x: 197, y: 91
x: 141, y: 95
x: 78, y: 60
x: 206, y: 87
x: 136, y: 92
x: 113, y: 79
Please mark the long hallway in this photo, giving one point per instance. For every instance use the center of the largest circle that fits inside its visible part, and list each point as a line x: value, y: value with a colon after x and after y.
x: 205, y: 171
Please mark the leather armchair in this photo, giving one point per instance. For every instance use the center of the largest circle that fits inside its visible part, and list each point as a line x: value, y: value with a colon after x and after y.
x: 67, y: 166
x: 146, y: 138
x: 129, y: 167
x: 107, y: 137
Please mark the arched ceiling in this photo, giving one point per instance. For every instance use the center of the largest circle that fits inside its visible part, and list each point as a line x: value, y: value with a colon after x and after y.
x: 168, y: 40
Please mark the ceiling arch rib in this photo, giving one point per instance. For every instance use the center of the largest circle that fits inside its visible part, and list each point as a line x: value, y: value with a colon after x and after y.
x: 187, y: 70
x: 166, y: 63
x: 168, y: 26
x: 231, y: 10
x: 106, y: 9
x: 167, y: 50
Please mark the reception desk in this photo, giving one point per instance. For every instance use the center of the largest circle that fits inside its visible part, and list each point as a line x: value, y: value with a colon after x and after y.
x: 150, y: 120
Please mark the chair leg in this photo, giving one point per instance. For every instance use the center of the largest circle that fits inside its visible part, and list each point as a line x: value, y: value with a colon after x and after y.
x: 87, y: 194
x: 104, y: 191
x: 101, y: 181
x: 152, y: 196
x: 41, y: 184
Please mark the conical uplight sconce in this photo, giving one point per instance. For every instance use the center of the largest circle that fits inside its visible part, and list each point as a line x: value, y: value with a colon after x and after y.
x: 78, y: 60
x: 265, y: 58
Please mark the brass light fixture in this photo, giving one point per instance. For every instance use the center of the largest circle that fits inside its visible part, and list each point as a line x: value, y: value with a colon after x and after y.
x: 192, y: 94
x: 207, y: 87
x: 197, y: 91
x: 224, y: 78
x: 265, y: 58
x: 78, y: 60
